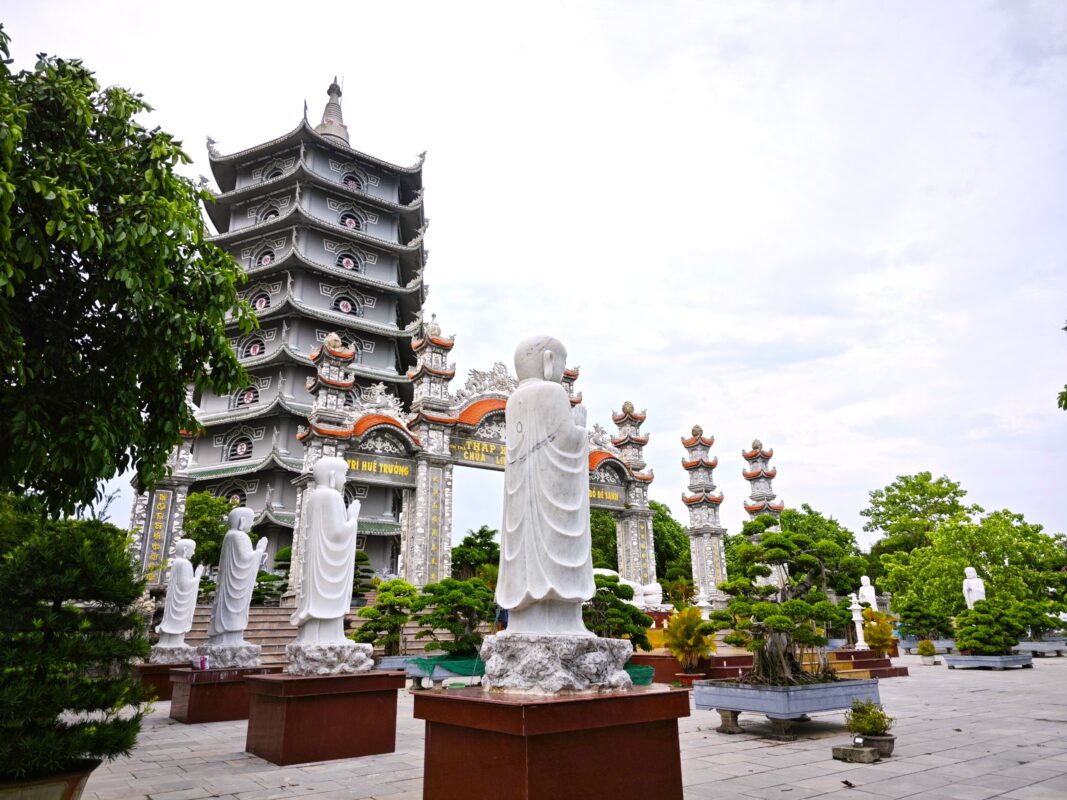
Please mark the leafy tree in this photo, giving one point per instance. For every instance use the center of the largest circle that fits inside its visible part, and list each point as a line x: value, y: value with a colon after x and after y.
x: 878, y: 629
x: 670, y: 541
x: 385, y: 620
x: 1016, y: 559
x: 489, y: 573
x: 610, y: 616
x: 605, y: 543
x: 680, y: 592
x: 907, y: 511
x: 845, y: 564
x: 989, y: 629
x: 1037, y: 617
x: 477, y: 548
x: 70, y: 631
x: 112, y: 302
x: 362, y: 576
x: 689, y: 637
x: 205, y: 523
x: 458, y: 607
x: 918, y: 622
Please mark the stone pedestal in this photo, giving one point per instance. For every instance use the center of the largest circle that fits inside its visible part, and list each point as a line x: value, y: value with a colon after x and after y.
x: 347, y: 658
x: 156, y: 678
x: 527, y: 663
x: 211, y: 695
x: 230, y: 656
x: 174, y: 656
x: 622, y: 745
x: 296, y: 719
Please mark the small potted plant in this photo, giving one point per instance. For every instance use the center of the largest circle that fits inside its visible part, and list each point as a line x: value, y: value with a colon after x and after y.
x: 926, y: 651
x: 869, y: 725
x: 689, y: 638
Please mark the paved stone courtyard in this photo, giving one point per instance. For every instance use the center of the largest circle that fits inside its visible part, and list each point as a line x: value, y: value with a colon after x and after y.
x: 960, y: 734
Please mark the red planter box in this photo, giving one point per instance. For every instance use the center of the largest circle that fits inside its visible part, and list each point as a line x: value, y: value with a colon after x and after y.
x: 211, y: 695
x: 622, y: 745
x: 294, y: 719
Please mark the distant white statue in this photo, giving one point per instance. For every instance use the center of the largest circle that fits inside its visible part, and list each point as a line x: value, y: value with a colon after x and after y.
x: 867, y: 593
x: 973, y: 587
x: 239, y: 567
x: 645, y: 596
x: 329, y: 556
x: 546, y: 566
x: 182, y: 589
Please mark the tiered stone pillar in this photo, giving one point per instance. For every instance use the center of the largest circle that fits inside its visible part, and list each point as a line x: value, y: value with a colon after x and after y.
x: 760, y: 476
x: 156, y: 519
x: 636, y: 550
x: 706, y: 547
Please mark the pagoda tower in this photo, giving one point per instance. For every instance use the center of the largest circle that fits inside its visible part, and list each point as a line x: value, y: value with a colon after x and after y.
x: 331, y: 240
x: 706, y: 545
x: 760, y: 475
x: 637, y: 552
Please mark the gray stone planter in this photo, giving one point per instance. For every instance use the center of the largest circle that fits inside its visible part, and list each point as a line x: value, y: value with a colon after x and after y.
x: 989, y: 662
x: 394, y: 663
x: 781, y: 704
x: 940, y: 645
x: 1041, y: 649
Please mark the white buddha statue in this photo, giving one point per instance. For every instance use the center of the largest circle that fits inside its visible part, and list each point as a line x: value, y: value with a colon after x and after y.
x: 973, y: 587
x: 329, y: 557
x: 546, y: 568
x: 867, y: 593
x: 239, y: 567
x: 182, y: 589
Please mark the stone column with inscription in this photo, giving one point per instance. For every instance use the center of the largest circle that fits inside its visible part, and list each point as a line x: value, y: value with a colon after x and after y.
x: 706, y: 547
x: 156, y: 521
x: 636, y: 550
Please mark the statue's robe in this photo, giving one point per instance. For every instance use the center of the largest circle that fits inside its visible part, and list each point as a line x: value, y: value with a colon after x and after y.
x: 867, y: 594
x: 545, y: 543
x: 238, y: 568
x: 181, y: 598
x: 329, y: 558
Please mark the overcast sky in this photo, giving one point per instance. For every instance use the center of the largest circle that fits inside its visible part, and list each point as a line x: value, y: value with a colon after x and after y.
x: 838, y: 227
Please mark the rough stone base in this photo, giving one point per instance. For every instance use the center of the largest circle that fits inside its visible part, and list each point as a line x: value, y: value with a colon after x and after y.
x: 172, y: 655
x: 329, y: 659
x: 856, y: 755
x: 524, y: 663
x: 226, y: 656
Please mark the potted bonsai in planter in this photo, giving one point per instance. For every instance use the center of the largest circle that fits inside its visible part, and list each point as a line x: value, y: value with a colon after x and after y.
x: 986, y: 636
x: 70, y: 632
x: 926, y: 651
x: 689, y: 638
x: 780, y: 621
x: 869, y: 726
x: 458, y: 609
x: 917, y: 622
x: 385, y: 620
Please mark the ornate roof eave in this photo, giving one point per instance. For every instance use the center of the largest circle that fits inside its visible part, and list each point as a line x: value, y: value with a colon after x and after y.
x: 284, y: 519
x: 644, y: 477
x: 287, y: 353
x: 342, y: 354
x: 597, y: 458
x: 475, y: 411
x: 751, y: 455
x: 760, y: 473
x: 344, y: 320
x: 224, y: 167
x: 360, y: 278
x: 630, y: 439
x: 633, y: 416
x: 691, y: 465
x: 228, y: 469
x: 419, y: 369
x: 418, y: 344
x: 694, y: 440
x: 702, y: 498
x: 255, y: 411
x: 753, y: 508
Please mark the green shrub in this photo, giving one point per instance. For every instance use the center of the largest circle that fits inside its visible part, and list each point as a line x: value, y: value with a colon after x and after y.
x: 988, y: 629
x: 459, y: 607
x: 866, y: 718
x: 878, y: 630
x: 385, y: 620
x: 69, y: 633
x: 269, y: 589
x: 926, y: 648
x: 608, y: 615
x: 689, y: 637
x: 918, y: 622
x: 362, y: 577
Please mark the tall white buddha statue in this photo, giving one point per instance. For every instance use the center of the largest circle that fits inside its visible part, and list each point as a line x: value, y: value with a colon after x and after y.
x: 329, y: 556
x: 182, y: 589
x: 867, y: 593
x: 973, y: 587
x: 546, y: 566
x: 239, y: 567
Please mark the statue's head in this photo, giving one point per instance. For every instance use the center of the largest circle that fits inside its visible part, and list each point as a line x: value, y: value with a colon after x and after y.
x: 241, y: 519
x: 971, y: 572
x: 542, y: 358
x: 865, y: 581
x: 184, y: 548
x: 330, y: 472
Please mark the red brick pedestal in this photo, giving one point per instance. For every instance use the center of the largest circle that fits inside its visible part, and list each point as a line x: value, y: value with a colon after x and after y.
x: 156, y: 678
x: 295, y: 719
x: 622, y: 745
x: 211, y: 695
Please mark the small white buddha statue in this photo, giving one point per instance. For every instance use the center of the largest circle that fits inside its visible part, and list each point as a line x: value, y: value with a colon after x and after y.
x: 182, y: 589
x: 973, y: 587
x: 867, y: 593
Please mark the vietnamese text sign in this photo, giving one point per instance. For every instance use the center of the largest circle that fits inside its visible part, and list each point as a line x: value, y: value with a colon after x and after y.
x: 606, y: 495
x: 381, y: 469
x: 479, y: 453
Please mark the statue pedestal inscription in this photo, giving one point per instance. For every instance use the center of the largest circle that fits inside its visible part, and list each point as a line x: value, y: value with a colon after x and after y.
x: 622, y: 745
x: 294, y: 720
x: 211, y: 695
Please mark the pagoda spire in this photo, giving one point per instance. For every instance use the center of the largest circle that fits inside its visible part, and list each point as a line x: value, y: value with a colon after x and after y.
x: 332, y: 122
x: 705, y: 533
x: 760, y: 474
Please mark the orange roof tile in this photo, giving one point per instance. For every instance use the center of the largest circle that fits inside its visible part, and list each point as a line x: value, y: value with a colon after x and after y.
x: 760, y: 473
x: 476, y: 412
x: 751, y: 454
x: 708, y: 442
x: 364, y: 424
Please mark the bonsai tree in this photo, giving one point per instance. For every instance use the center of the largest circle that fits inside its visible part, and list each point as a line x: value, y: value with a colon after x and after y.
x: 458, y: 608
x: 477, y: 548
x: 362, y: 578
x: 689, y: 638
x: 867, y: 718
x: 918, y: 622
x: 385, y: 620
x: 70, y: 630
x: 988, y: 629
x: 1036, y: 617
x: 680, y: 591
x: 779, y: 619
x: 878, y: 630
x: 610, y: 616
x: 282, y: 560
x: 926, y: 649
x: 268, y: 589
